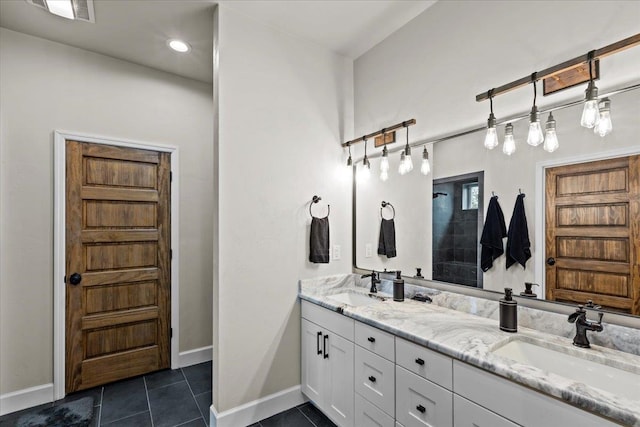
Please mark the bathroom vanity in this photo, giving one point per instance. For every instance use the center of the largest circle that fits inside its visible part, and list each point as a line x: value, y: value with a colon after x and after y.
x: 370, y: 361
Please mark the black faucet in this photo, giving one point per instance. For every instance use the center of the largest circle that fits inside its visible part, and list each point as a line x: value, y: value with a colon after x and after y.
x: 583, y: 325
x: 374, y: 281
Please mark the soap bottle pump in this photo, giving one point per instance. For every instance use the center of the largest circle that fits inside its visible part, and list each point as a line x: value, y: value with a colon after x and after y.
x: 508, y: 312
x: 398, y: 287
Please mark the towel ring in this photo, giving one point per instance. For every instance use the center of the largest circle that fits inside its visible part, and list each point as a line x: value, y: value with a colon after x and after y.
x: 384, y: 205
x: 316, y: 199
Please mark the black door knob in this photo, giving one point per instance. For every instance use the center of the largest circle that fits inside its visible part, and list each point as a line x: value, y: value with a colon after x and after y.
x: 75, y: 278
x: 551, y: 261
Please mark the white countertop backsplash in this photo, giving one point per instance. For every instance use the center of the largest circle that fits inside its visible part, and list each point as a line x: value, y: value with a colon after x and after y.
x: 466, y: 328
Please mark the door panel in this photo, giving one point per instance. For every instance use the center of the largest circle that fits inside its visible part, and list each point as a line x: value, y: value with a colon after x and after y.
x: 312, y: 362
x: 340, y: 392
x: 593, y: 233
x: 117, y: 238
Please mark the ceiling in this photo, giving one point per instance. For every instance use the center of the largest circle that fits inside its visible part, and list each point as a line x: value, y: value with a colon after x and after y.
x: 137, y: 30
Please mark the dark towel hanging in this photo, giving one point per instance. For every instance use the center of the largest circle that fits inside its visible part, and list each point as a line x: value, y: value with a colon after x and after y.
x: 492, y: 234
x: 518, y: 244
x: 387, y: 241
x: 319, y: 240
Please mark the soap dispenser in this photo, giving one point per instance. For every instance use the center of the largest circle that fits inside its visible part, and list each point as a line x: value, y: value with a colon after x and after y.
x: 508, y: 312
x: 398, y: 287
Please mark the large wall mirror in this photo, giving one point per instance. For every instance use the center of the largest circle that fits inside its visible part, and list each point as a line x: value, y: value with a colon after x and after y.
x: 582, y: 206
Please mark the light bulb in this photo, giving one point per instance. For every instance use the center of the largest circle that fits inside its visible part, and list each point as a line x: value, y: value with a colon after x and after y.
x: 384, y: 162
x: 590, y: 110
x: 535, y: 136
x: 551, y: 138
x: 491, y: 139
x: 408, y: 162
x: 509, y: 145
x: 425, y: 168
x: 365, y: 170
x: 603, y: 126
x: 402, y: 168
x: 384, y: 175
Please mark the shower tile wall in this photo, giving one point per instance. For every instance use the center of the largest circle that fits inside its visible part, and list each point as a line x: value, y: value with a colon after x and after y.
x: 455, y: 237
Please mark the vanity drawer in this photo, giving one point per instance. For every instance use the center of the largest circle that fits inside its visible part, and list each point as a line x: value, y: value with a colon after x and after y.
x: 468, y: 414
x: 369, y: 415
x: 421, y: 403
x: 336, y: 323
x: 427, y: 363
x: 375, y: 379
x: 375, y: 340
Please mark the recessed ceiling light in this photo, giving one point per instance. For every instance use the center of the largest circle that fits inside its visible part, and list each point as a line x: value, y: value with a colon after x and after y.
x: 179, y: 45
x: 62, y: 8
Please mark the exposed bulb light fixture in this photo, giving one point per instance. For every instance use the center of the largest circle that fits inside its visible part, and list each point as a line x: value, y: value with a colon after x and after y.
x: 179, y: 45
x: 408, y: 162
x: 366, y: 165
x: 535, y: 136
x: 402, y: 168
x: 551, y: 138
x: 603, y: 126
x: 384, y: 164
x: 491, y: 139
x: 590, y: 111
x: 425, y: 168
x: 63, y: 8
x: 349, y: 160
x: 509, y: 145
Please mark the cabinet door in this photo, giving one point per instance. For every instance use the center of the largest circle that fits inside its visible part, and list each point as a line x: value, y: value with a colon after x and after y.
x: 421, y: 403
x: 338, y: 393
x: 468, y: 414
x: 312, y: 362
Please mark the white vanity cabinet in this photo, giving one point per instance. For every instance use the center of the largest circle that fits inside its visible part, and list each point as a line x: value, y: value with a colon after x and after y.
x: 327, y: 362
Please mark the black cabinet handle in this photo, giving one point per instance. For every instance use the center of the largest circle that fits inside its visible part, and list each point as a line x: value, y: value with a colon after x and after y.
x: 372, y: 379
x: 371, y: 339
x: 324, y: 346
x: 419, y: 361
x: 551, y: 261
x: 421, y: 408
x: 318, y: 342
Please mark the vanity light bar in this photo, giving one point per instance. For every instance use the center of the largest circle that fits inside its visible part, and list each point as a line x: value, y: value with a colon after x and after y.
x: 382, y: 131
x: 582, y: 59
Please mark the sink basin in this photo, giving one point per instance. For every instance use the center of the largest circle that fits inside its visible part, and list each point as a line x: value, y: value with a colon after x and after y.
x: 594, y: 373
x: 353, y: 299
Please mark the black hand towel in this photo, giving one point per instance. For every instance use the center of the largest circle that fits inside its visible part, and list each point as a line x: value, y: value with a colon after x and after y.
x: 518, y: 245
x: 492, y: 234
x: 387, y: 241
x: 319, y: 240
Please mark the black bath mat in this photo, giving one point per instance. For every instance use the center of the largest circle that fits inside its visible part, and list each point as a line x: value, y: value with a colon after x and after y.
x: 70, y: 414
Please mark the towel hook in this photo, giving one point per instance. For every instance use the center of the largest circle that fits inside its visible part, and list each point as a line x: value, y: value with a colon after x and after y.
x: 384, y: 205
x: 493, y: 194
x: 316, y: 199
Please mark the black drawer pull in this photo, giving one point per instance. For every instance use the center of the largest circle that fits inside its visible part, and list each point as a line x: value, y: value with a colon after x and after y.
x: 318, y: 342
x: 372, y: 379
x: 421, y: 408
x: 371, y: 339
x: 419, y: 361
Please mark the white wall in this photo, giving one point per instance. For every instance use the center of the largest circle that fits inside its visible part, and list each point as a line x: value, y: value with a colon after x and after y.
x: 433, y: 67
x: 47, y: 86
x: 285, y: 107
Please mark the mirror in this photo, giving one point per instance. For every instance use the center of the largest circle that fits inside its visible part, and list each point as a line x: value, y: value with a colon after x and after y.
x: 581, y: 249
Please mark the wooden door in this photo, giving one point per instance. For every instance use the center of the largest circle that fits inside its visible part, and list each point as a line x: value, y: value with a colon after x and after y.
x: 117, y: 243
x: 593, y: 233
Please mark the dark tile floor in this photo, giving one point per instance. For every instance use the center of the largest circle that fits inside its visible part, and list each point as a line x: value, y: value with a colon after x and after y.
x: 169, y: 399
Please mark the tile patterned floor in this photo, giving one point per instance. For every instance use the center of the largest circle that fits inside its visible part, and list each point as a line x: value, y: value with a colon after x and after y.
x: 169, y: 399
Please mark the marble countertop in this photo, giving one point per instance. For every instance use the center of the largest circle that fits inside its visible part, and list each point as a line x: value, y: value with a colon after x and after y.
x: 472, y: 338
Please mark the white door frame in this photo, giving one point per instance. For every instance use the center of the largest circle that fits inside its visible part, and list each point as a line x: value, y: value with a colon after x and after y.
x: 59, y: 255
x: 540, y: 216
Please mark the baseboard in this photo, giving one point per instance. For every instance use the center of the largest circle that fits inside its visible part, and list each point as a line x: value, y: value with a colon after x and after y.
x: 25, y: 398
x: 195, y: 356
x: 252, y: 412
